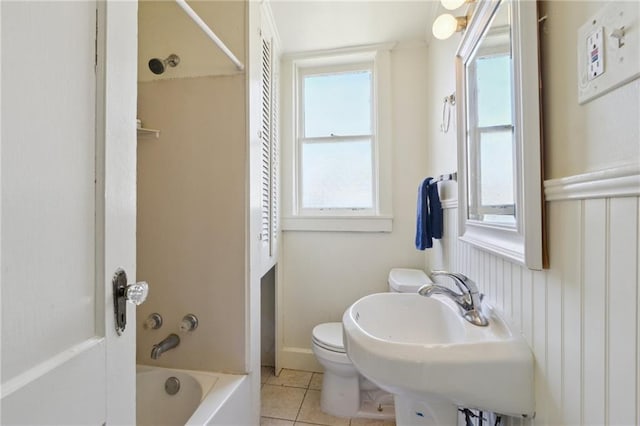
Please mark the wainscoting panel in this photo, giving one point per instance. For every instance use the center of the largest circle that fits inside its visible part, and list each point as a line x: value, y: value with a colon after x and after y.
x: 580, y: 317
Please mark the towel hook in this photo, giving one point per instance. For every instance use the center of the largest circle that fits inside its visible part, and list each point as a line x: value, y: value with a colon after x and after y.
x: 447, y: 104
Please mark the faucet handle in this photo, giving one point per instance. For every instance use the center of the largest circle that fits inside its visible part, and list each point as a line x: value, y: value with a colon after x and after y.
x: 464, y: 284
x: 189, y: 323
x: 153, y: 321
x: 457, y: 275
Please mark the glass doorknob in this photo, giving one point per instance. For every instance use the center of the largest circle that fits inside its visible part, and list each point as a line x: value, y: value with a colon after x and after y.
x: 137, y: 293
x: 122, y: 293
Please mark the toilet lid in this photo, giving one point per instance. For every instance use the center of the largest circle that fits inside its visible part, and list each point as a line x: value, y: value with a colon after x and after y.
x: 329, y: 336
x: 404, y: 280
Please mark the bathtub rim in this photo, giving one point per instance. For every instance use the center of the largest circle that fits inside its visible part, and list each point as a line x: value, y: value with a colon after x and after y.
x: 216, y: 395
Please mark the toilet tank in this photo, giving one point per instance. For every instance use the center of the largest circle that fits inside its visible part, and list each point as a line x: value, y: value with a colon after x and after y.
x: 403, y: 280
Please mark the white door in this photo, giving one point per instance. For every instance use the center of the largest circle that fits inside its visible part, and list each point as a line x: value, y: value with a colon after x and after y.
x: 67, y: 210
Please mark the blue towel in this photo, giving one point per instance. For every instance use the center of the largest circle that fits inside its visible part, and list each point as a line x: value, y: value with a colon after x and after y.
x: 435, y: 211
x: 429, y: 221
x: 423, y: 224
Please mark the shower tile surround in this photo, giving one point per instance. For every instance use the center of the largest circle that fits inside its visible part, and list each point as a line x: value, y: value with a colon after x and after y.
x: 293, y: 398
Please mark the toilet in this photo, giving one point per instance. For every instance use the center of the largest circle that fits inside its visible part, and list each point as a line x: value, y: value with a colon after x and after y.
x: 346, y: 393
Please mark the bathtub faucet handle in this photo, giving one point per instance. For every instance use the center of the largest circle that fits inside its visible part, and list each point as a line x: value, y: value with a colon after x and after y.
x: 189, y: 323
x: 153, y: 321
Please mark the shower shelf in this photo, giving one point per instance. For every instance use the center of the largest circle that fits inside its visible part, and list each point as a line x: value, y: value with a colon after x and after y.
x: 148, y: 132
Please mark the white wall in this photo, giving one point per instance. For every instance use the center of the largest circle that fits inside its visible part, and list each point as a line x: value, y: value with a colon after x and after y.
x: 580, y: 317
x: 582, y: 138
x: 441, y: 82
x: 322, y: 273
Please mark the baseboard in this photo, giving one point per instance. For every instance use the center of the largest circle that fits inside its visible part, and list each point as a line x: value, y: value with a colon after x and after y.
x: 298, y: 359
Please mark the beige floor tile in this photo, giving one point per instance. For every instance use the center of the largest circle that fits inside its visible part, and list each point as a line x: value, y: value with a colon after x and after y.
x: 281, y: 402
x: 268, y: 421
x: 310, y: 412
x: 265, y: 373
x: 316, y: 381
x: 295, y: 378
x: 372, y: 422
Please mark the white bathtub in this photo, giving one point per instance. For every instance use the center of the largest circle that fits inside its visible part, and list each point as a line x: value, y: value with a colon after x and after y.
x: 203, y: 398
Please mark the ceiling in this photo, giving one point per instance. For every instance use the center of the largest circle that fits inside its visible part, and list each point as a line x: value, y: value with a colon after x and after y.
x: 306, y: 25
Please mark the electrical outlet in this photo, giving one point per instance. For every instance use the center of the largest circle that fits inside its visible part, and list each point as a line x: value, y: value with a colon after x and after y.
x: 595, y: 54
x: 608, y: 49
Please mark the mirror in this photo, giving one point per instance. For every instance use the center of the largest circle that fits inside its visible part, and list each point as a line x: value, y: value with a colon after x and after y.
x: 499, y: 160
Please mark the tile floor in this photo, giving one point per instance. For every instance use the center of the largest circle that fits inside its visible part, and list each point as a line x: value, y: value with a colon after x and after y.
x: 293, y: 399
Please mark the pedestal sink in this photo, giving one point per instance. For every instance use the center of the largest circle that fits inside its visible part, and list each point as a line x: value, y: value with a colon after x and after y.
x: 421, y: 350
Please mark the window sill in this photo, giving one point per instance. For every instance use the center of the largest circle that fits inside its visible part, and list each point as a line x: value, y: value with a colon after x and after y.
x: 338, y: 223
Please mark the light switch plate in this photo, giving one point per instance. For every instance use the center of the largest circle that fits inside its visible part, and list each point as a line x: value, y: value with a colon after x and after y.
x: 617, y: 60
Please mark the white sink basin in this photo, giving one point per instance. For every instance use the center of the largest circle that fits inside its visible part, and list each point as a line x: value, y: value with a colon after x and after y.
x: 420, y: 348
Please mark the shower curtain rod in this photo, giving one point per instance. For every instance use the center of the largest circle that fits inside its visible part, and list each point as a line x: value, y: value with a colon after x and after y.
x: 204, y: 27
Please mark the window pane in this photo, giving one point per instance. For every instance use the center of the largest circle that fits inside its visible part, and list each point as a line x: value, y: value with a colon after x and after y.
x: 338, y: 104
x: 494, y: 90
x: 337, y: 175
x: 496, y: 163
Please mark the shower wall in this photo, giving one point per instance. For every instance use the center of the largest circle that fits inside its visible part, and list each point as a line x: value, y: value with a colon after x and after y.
x: 192, y: 184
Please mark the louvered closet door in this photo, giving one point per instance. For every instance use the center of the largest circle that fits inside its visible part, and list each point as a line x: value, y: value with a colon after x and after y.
x: 270, y: 155
x: 265, y: 234
x: 275, y: 157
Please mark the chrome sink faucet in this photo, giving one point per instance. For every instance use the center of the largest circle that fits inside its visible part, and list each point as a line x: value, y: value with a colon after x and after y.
x: 468, y: 300
x: 170, y: 342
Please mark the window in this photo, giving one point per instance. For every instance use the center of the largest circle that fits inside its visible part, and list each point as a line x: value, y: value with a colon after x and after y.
x: 336, y: 140
x: 491, y: 150
x: 338, y: 149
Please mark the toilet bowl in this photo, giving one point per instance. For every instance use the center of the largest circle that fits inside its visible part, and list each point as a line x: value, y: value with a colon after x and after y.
x: 345, y: 392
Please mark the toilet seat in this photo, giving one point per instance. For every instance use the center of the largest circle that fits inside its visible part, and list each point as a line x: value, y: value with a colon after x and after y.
x: 329, y: 336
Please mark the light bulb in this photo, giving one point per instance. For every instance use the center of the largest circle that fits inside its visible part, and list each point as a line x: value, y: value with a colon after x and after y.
x: 452, y: 4
x: 444, y: 26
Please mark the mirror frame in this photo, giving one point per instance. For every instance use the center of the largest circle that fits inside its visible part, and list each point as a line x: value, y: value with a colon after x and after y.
x: 522, y: 244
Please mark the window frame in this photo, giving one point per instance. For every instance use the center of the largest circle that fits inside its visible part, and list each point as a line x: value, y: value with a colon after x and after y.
x: 301, y: 139
x: 377, y: 219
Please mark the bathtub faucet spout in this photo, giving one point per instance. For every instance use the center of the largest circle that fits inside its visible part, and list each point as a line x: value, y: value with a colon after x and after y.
x: 170, y: 342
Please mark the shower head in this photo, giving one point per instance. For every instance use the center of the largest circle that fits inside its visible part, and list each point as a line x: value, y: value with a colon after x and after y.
x: 158, y: 66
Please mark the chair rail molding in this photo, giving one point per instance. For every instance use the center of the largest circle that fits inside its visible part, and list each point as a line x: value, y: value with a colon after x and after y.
x: 623, y: 181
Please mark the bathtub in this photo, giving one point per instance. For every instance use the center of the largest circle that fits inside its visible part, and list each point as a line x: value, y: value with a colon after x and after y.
x: 202, y: 398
